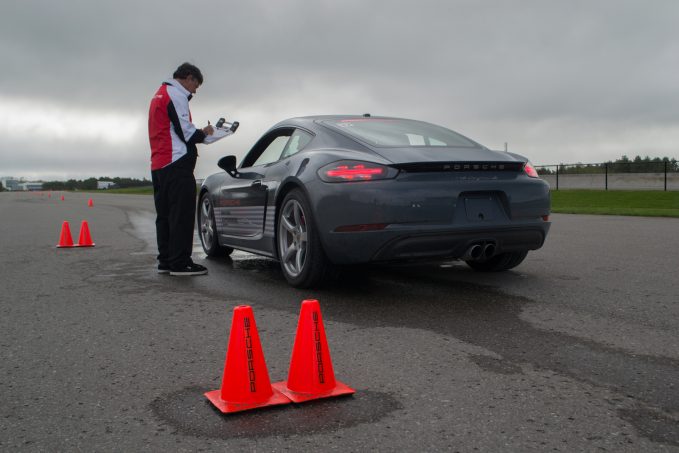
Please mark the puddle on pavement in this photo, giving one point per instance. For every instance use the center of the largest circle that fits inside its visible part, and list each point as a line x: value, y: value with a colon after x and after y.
x: 189, y: 412
x: 429, y: 298
x: 143, y: 226
x: 426, y: 299
x: 652, y: 424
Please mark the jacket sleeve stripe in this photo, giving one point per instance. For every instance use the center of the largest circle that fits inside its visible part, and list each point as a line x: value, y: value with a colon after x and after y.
x: 182, y: 114
x: 174, y: 120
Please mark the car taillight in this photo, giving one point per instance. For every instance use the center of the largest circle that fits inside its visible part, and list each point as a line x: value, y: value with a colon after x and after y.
x: 530, y: 170
x: 348, y: 171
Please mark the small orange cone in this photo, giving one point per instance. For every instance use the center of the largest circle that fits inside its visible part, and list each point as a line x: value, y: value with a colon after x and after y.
x: 65, y: 240
x: 62, y: 198
x: 245, y: 383
x: 90, y: 203
x: 85, y: 239
x: 311, y: 375
x: 49, y: 195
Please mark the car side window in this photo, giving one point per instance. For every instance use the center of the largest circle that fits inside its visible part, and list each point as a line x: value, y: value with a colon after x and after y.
x: 297, y: 142
x: 272, y: 152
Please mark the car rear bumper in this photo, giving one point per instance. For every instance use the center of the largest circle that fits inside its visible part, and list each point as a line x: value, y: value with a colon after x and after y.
x: 402, y: 245
x: 425, y: 216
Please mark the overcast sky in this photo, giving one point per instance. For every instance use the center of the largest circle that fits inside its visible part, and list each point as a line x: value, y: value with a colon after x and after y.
x: 560, y: 81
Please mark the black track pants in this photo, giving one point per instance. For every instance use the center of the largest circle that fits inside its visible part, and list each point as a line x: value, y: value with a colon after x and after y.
x: 174, y: 193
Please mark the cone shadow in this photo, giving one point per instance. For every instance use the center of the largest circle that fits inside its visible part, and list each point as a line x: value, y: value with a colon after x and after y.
x: 190, y: 413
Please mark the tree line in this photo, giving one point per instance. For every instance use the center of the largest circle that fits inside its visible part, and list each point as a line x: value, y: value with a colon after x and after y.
x: 91, y: 183
x: 623, y: 165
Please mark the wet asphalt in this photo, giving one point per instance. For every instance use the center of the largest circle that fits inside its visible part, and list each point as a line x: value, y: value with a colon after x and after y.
x: 574, y: 350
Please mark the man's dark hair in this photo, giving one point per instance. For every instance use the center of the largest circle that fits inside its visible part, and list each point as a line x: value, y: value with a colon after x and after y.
x: 187, y: 69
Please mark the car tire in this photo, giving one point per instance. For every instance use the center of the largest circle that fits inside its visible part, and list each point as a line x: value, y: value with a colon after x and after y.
x: 300, y: 253
x: 207, y: 229
x: 500, y: 262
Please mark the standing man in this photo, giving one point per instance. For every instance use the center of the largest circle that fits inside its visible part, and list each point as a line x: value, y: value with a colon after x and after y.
x: 173, y: 140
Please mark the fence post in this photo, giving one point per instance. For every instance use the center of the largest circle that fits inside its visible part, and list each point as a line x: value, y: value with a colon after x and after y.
x: 557, y: 177
x: 665, y: 176
x: 606, y: 168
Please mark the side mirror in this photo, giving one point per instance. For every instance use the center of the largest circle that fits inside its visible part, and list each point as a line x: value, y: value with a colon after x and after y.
x: 228, y: 164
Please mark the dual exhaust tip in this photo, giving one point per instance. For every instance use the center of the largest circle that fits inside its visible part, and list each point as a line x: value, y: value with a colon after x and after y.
x: 481, y: 251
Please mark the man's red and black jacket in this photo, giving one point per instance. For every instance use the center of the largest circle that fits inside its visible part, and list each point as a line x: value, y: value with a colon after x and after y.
x: 172, y: 136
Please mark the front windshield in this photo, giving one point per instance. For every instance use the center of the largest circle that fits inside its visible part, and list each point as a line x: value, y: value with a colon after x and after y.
x: 387, y: 132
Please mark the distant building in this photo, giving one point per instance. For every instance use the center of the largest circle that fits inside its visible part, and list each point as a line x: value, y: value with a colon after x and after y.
x: 105, y: 184
x: 30, y: 186
x: 10, y: 183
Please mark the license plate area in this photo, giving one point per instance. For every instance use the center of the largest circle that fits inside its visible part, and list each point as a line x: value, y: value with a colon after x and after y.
x: 482, y: 208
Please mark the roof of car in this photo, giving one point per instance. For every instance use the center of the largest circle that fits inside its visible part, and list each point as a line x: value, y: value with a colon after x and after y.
x: 309, y: 121
x: 339, y: 117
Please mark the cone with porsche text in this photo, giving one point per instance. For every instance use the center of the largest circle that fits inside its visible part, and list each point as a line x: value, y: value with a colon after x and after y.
x: 245, y: 383
x: 65, y: 240
x: 311, y: 375
x: 85, y: 240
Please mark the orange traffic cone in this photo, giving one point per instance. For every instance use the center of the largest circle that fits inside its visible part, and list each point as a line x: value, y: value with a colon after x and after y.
x: 245, y: 384
x: 311, y: 375
x: 65, y: 240
x: 85, y: 239
x: 62, y: 198
x: 90, y: 203
x: 49, y: 195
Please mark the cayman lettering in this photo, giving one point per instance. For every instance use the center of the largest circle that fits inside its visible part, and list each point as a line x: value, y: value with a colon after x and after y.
x: 319, y: 353
x: 250, y: 354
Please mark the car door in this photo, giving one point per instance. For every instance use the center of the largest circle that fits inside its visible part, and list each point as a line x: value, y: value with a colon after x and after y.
x: 243, y: 200
x: 275, y: 173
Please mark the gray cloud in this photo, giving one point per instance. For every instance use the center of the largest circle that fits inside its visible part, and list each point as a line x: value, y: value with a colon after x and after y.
x: 549, y: 77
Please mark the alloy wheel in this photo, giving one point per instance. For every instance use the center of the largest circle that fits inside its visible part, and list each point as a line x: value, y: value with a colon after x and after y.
x: 292, y: 238
x: 207, y: 232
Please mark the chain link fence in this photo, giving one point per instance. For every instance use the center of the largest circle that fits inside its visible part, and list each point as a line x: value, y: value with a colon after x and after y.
x: 663, y: 175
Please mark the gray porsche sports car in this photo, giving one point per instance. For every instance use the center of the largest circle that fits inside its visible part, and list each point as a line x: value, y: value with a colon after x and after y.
x: 317, y: 192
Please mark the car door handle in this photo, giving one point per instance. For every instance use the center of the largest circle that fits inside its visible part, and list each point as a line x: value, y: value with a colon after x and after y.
x: 256, y: 183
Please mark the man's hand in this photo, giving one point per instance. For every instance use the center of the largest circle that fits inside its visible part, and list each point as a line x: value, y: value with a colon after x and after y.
x: 208, y: 130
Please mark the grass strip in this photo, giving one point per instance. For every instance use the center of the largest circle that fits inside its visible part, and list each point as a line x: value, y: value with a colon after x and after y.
x: 649, y: 203
x: 146, y: 190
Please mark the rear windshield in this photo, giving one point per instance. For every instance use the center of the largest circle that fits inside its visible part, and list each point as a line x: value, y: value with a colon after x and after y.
x: 399, y: 133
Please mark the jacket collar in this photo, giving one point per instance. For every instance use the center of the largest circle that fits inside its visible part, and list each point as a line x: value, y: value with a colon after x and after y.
x: 179, y: 86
